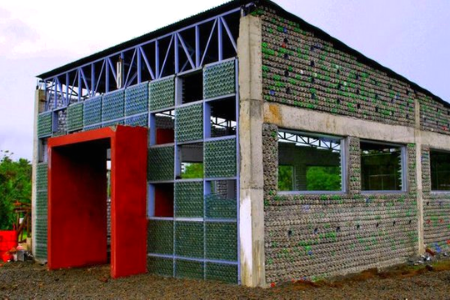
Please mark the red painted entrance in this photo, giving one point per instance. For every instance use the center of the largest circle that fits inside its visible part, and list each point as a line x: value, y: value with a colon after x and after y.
x: 77, y: 225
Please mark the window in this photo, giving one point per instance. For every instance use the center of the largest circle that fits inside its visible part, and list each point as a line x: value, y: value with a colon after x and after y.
x: 190, y: 87
x: 382, y: 167
x: 440, y: 170
x: 161, y: 200
x: 309, y: 163
x: 222, y: 115
x: 162, y: 127
x: 42, y: 150
x: 190, y: 161
x: 285, y: 178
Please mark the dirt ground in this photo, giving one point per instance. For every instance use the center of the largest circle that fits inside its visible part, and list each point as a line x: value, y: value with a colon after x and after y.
x: 28, y: 280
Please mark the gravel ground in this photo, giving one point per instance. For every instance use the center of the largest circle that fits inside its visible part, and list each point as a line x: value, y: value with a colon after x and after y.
x: 28, y: 280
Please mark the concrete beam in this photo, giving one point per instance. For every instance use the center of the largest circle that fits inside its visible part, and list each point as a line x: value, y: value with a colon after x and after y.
x: 251, y: 108
x: 288, y: 117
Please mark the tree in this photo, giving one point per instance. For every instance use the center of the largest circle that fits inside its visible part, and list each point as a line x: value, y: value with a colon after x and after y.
x: 193, y: 170
x: 285, y: 178
x: 15, y: 185
x: 323, y: 178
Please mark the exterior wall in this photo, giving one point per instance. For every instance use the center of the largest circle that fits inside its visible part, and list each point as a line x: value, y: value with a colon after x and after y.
x: 436, y: 206
x: 311, y: 85
x: 314, y: 236
x: 434, y: 116
x: 298, y: 65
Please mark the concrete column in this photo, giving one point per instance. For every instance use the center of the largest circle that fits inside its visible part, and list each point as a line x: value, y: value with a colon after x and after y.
x: 120, y: 73
x: 251, y: 115
x: 419, y: 189
x: 39, y: 102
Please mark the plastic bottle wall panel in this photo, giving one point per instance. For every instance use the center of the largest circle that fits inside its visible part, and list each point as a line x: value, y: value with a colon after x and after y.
x: 113, y: 105
x: 45, y: 124
x: 75, y: 117
x: 162, y: 93
x: 136, y: 99
x: 219, y: 80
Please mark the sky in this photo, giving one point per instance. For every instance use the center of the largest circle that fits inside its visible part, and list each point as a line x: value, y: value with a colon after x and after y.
x: 411, y: 37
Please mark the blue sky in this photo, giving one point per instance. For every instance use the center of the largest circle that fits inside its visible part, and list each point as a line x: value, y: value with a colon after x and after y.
x: 411, y: 37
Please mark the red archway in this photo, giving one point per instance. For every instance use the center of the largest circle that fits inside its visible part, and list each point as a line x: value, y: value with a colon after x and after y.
x: 77, y: 199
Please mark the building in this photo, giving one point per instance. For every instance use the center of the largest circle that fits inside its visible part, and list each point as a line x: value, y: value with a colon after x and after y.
x: 246, y: 145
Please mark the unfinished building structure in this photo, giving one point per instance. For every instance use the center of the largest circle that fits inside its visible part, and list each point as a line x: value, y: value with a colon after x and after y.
x: 246, y: 145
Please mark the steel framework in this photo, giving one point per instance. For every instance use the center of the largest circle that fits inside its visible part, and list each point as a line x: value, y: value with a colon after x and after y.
x: 179, y: 51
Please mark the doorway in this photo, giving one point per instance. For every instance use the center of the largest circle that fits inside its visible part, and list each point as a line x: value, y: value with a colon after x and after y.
x: 77, y: 207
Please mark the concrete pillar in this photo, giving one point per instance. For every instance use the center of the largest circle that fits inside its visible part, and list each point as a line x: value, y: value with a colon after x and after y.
x: 251, y: 115
x: 419, y: 189
x: 120, y: 73
x: 39, y: 103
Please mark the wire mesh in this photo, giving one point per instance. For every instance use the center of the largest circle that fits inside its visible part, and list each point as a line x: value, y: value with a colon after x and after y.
x: 160, y: 163
x: 219, y: 79
x: 189, y: 199
x: 113, y: 123
x: 221, y: 241
x: 160, y: 266
x: 42, y: 176
x: 137, y: 120
x: 162, y: 93
x: 45, y: 124
x: 189, y: 269
x: 136, y: 99
x: 92, y: 113
x: 189, y: 123
x: 219, y: 207
x: 221, y: 272
x: 113, y: 105
x: 220, y: 158
x: 189, y: 239
x: 160, y: 237
x: 75, y: 117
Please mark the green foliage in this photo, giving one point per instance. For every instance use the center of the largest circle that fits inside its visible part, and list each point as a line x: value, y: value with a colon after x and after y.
x: 15, y: 184
x: 192, y: 170
x: 285, y: 178
x: 323, y: 178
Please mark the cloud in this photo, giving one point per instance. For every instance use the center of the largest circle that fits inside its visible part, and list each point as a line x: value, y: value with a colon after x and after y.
x: 16, y: 37
x: 4, y: 13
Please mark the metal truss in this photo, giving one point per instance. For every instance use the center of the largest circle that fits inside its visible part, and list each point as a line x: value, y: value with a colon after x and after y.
x: 208, y: 41
x: 223, y: 123
x: 316, y: 142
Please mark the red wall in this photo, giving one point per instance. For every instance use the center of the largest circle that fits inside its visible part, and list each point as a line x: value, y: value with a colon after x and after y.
x: 77, y: 199
x: 129, y: 201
